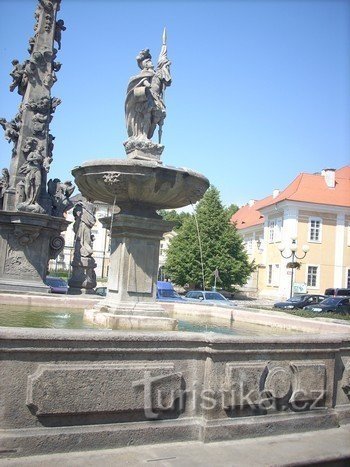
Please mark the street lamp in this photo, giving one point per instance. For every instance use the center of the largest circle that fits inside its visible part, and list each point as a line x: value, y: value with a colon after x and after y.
x: 293, y: 248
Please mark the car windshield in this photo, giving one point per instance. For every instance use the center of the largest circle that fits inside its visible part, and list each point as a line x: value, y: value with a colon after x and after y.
x: 214, y: 296
x: 296, y: 299
x: 167, y: 293
x: 331, y: 301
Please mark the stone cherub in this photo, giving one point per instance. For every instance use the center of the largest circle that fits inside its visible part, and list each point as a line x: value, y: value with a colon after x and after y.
x: 59, y: 27
x: 60, y: 193
x: 18, y: 77
x: 11, y: 129
x: 144, y: 105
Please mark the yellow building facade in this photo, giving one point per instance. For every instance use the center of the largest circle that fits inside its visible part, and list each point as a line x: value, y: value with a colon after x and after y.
x: 311, y: 217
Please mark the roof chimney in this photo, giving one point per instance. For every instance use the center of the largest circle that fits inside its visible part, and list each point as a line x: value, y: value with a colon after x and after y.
x: 251, y: 202
x: 275, y: 193
x: 329, y: 176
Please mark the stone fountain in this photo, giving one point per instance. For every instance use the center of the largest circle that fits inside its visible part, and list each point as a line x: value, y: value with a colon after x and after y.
x: 139, y: 185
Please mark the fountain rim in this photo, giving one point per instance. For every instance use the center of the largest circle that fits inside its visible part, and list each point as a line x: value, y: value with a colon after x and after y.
x: 158, y: 337
x: 102, y: 164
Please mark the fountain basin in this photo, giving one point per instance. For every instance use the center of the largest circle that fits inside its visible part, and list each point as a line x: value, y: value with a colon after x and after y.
x: 68, y: 390
x: 133, y: 183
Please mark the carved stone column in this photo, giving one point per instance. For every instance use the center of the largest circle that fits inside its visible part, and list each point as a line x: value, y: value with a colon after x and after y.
x: 32, y: 209
x: 133, y: 272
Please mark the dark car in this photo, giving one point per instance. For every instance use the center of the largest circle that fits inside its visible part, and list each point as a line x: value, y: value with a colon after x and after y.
x: 337, y: 292
x: 56, y: 284
x: 208, y: 297
x: 102, y: 291
x: 166, y: 292
x: 299, y: 301
x: 339, y: 305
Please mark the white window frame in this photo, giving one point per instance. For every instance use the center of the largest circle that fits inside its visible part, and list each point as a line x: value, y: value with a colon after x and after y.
x: 271, y: 230
x: 318, y: 273
x: 275, y: 274
x: 278, y: 229
x: 348, y: 234
x: 249, y: 244
x: 315, y: 219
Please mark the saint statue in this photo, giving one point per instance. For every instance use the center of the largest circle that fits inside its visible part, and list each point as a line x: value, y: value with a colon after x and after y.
x: 144, y: 105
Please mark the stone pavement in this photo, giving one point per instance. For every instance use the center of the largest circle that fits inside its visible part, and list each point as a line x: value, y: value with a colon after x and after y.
x: 325, y: 447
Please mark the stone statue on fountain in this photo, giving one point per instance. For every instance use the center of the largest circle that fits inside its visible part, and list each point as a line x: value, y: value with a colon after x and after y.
x: 145, y: 107
x: 83, y: 278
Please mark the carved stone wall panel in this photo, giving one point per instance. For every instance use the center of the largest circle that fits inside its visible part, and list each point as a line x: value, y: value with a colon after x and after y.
x: 291, y: 382
x: 21, y: 259
x: 241, y: 379
x: 96, y: 388
x: 141, y: 266
x: 310, y: 380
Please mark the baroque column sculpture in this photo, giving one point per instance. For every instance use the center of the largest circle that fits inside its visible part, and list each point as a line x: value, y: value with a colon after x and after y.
x: 83, y: 278
x: 32, y: 209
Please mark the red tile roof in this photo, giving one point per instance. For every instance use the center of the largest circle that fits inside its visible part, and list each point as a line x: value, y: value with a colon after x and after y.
x: 309, y: 188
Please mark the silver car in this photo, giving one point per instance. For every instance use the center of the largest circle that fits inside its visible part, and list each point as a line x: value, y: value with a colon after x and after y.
x: 214, y: 298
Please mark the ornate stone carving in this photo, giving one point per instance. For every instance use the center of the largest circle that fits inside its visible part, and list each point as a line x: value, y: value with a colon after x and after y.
x: 60, y: 193
x: 56, y: 246
x: 4, y: 184
x: 18, y: 77
x: 59, y: 27
x: 289, y: 385
x: 32, y: 169
x: 111, y: 178
x: 144, y: 105
x: 11, y: 129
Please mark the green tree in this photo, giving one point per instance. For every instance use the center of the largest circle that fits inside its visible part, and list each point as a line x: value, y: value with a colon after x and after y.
x: 173, y: 216
x: 232, y: 209
x: 222, y: 248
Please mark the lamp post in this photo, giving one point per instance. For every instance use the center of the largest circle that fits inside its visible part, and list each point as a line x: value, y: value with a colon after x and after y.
x: 293, y: 248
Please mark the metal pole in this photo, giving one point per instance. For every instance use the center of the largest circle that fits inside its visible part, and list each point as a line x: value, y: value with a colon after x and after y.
x: 292, y: 276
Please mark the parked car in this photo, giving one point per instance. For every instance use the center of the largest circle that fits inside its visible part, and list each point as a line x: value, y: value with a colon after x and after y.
x: 339, y: 305
x: 56, y: 284
x: 208, y: 297
x: 299, y: 301
x: 102, y: 291
x: 166, y: 292
x: 337, y: 292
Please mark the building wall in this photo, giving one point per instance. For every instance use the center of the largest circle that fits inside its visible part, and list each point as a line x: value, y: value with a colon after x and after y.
x: 330, y: 254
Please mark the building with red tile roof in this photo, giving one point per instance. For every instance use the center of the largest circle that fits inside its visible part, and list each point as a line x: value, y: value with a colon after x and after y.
x: 315, y: 210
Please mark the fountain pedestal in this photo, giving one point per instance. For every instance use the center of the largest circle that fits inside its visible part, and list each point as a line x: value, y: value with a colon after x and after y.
x: 27, y: 242
x: 131, y: 300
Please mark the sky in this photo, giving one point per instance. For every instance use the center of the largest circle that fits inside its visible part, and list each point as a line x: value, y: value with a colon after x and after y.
x: 260, y: 89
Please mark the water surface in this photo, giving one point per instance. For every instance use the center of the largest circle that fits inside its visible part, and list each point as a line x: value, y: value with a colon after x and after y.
x: 61, y: 318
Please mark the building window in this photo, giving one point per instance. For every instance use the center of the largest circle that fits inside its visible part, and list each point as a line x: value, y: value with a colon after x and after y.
x: 273, y: 274
x: 249, y: 244
x: 348, y: 280
x: 312, y: 276
x: 269, y: 279
x: 271, y: 231
x: 278, y: 230
x: 315, y: 229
